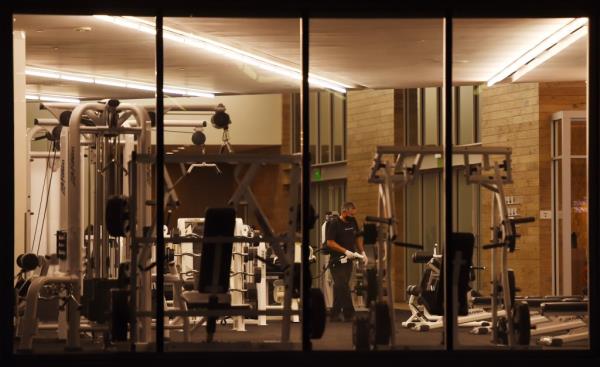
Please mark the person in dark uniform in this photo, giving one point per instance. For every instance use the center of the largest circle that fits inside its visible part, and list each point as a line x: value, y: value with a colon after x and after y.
x: 343, y: 240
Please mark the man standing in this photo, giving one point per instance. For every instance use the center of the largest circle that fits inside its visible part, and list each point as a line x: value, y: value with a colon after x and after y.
x: 343, y: 239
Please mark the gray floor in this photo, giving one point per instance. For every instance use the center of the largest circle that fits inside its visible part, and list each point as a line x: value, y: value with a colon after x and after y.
x: 338, y: 336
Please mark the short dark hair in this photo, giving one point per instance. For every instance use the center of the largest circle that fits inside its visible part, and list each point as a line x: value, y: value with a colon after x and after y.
x: 348, y: 205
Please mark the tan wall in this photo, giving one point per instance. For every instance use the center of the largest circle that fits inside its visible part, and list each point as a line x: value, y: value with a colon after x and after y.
x: 373, y: 118
x: 510, y: 117
x: 518, y: 116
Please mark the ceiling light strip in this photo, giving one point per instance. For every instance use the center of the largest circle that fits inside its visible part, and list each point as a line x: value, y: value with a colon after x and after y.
x: 112, y: 82
x: 224, y: 50
x: 50, y: 98
x: 566, y: 42
x: 540, y: 48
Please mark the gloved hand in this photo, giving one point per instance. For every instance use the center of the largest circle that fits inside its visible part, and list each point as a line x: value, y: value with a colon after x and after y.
x: 349, y: 254
x: 365, y: 259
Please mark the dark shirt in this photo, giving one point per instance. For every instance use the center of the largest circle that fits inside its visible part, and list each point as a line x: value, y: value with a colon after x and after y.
x: 342, y: 232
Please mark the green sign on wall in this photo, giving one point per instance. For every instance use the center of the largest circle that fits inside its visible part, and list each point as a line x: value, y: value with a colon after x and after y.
x: 317, y: 174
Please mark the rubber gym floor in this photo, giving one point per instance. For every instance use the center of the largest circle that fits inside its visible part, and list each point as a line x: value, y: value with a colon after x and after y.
x: 337, y: 337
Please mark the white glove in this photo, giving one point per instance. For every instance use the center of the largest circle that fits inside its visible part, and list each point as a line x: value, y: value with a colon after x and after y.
x: 365, y: 259
x: 349, y: 254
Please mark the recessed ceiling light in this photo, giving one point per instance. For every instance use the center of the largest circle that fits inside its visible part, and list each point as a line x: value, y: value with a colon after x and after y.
x: 181, y: 69
x: 83, y: 29
x: 54, y: 48
x: 462, y: 61
x: 40, y: 30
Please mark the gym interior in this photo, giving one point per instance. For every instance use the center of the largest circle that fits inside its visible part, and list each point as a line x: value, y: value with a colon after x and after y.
x: 175, y: 193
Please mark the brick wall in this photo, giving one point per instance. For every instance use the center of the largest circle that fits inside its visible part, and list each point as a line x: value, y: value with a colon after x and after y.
x: 373, y: 118
x: 518, y: 116
x: 510, y: 117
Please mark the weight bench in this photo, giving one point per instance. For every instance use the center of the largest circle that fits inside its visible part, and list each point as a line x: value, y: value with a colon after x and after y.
x: 579, y: 308
x: 430, y: 293
x: 212, y: 288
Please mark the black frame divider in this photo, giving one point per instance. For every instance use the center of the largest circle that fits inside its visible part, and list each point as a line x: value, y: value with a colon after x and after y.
x: 304, y: 99
x: 449, y: 319
x: 160, y: 186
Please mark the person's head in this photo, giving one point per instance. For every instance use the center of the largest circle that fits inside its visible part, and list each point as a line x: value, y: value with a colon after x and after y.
x: 348, y: 209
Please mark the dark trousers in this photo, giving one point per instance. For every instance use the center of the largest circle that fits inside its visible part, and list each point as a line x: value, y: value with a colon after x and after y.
x: 342, y: 300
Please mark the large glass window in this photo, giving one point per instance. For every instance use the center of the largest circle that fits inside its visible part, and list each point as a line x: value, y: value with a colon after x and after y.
x: 84, y: 183
x: 121, y: 248
x: 532, y: 192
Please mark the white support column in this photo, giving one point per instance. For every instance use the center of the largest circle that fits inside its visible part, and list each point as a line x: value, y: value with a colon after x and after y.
x: 20, y: 131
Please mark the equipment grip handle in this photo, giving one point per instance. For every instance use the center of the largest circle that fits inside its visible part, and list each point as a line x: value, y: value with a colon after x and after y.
x: 523, y: 220
x: 408, y: 245
x: 492, y: 245
x: 370, y: 218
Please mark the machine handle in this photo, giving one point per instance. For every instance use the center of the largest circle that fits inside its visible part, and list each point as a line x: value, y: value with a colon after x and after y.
x: 370, y: 218
x: 492, y: 245
x: 523, y: 220
x: 422, y: 257
x: 408, y: 245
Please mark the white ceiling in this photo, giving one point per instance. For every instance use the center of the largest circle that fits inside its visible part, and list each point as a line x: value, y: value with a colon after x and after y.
x: 372, y: 53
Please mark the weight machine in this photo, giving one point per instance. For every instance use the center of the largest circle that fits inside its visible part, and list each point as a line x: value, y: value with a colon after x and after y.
x: 395, y: 167
x: 102, y: 125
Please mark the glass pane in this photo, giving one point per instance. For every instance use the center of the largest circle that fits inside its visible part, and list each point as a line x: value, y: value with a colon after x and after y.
x: 558, y: 137
x: 383, y: 108
x: 431, y: 110
x: 339, y: 126
x: 579, y: 226
x: 578, y: 138
x: 233, y: 175
x: 412, y: 117
x: 413, y: 215
x: 78, y: 122
x: 466, y: 110
x: 314, y: 126
x: 431, y: 212
x: 325, y: 126
x: 542, y: 197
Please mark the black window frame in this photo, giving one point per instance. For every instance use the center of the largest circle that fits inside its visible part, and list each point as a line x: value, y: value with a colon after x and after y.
x: 305, y: 12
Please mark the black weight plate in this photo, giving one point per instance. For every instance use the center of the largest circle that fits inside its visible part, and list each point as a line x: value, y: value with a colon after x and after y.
x: 318, y: 313
x: 360, y: 334
x: 379, y: 318
x: 522, y: 323
x: 371, y: 285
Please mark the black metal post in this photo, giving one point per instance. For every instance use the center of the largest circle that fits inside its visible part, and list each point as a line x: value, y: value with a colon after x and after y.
x: 307, y: 279
x: 160, y: 190
x: 447, y: 133
x: 593, y: 180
